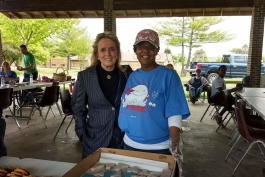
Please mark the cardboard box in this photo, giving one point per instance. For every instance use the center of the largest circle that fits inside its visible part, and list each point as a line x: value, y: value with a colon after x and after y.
x: 92, y: 159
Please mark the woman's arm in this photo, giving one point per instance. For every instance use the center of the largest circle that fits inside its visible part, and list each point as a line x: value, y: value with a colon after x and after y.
x: 13, y: 76
x: 79, y: 107
x: 10, y: 79
x: 175, y: 125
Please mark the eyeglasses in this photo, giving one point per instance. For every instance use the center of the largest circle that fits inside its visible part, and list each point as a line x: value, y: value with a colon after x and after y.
x: 143, y: 47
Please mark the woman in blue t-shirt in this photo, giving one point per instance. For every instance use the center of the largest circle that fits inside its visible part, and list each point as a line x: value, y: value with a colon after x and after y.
x: 7, y: 73
x: 153, y: 103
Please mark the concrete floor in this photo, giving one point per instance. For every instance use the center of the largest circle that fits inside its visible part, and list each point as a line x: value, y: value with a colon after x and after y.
x: 204, y: 149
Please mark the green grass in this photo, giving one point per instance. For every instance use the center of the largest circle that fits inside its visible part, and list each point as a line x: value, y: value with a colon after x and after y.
x: 230, y: 83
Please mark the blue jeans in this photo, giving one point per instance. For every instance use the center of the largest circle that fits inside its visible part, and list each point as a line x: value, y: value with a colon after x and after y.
x: 195, y: 92
x: 160, y: 151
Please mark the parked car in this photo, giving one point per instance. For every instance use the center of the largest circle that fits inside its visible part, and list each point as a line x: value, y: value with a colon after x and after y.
x: 236, y: 67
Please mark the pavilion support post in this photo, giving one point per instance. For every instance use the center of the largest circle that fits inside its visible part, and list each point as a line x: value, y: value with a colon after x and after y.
x: 256, y: 43
x: 1, y: 51
x: 109, y: 16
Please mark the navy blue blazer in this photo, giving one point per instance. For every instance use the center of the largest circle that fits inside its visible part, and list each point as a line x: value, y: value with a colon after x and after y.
x: 95, y: 117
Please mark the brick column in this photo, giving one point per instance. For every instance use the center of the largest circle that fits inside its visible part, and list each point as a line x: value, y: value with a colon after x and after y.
x: 109, y: 16
x: 256, y: 43
x: 1, y: 51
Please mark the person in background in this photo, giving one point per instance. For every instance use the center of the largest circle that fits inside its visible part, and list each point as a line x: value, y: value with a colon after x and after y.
x: 196, y: 85
x: 30, y: 64
x: 96, y: 96
x: 6, y: 73
x: 170, y: 66
x: 217, y: 96
x: 3, y: 151
x: 153, y: 102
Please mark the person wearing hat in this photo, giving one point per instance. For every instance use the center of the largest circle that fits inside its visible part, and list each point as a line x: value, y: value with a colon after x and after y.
x: 196, y: 85
x: 153, y: 102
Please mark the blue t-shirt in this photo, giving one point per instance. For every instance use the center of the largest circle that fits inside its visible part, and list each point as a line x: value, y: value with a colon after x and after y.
x: 11, y: 74
x: 148, y: 100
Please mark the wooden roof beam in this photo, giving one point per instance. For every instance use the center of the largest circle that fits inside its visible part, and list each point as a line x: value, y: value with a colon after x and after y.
x: 187, y: 11
x: 67, y: 14
x: 170, y: 12
x: 50, y: 5
x: 139, y: 13
x: 124, y: 13
x: 155, y: 13
x: 173, y: 4
x: 42, y: 15
x: 55, y: 14
x: 81, y: 14
x: 203, y: 12
x: 96, y: 14
x: 16, y: 15
x: 222, y: 12
x: 239, y: 11
x: 29, y: 14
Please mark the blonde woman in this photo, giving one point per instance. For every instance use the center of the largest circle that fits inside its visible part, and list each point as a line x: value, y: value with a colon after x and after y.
x: 97, y: 96
x: 6, y: 73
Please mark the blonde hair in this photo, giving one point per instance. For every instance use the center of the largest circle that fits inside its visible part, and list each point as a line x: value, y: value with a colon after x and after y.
x: 105, y: 35
x: 2, y: 66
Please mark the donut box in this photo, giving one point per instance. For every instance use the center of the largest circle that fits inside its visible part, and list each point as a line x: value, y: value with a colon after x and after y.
x: 107, y: 162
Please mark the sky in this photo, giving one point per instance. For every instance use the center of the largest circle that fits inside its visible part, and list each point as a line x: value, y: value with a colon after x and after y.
x: 127, y: 29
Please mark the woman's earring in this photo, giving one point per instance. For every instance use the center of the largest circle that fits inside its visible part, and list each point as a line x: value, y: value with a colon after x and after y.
x: 159, y: 57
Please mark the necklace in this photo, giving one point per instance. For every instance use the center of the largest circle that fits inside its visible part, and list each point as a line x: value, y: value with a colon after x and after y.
x: 108, y: 76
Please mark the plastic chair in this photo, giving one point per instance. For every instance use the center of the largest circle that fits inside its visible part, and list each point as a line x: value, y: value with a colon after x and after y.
x: 250, y: 134
x: 216, y: 107
x: 49, y: 98
x: 230, y: 110
x: 39, y: 94
x: 66, y: 107
x: 6, y: 101
x: 253, y: 121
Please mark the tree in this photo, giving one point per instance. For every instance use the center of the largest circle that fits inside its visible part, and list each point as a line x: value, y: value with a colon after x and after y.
x: 72, y: 42
x: 263, y: 58
x: 219, y: 59
x: 32, y: 33
x: 178, y: 58
x: 29, y: 31
x: 243, y: 50
x: 191, y: 32
x: 11, y: 53
x: 167, y: 51
x: 200, y: 56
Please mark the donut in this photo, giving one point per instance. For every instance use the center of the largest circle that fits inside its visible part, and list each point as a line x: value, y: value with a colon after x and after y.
x: 3, y: 171
x: 9, y: 168
x: 16, y: 174
x: 25, y: 169
x: 22, y: 171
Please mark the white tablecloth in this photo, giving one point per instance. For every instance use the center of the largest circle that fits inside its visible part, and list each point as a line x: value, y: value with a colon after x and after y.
x: 38, y: 167
x: 5, y: 161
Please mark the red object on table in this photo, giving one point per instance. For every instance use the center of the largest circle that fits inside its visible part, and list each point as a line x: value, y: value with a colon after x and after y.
x: 71, y: 88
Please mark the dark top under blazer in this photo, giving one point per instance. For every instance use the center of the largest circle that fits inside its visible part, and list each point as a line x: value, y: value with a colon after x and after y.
x: 94, y: 115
